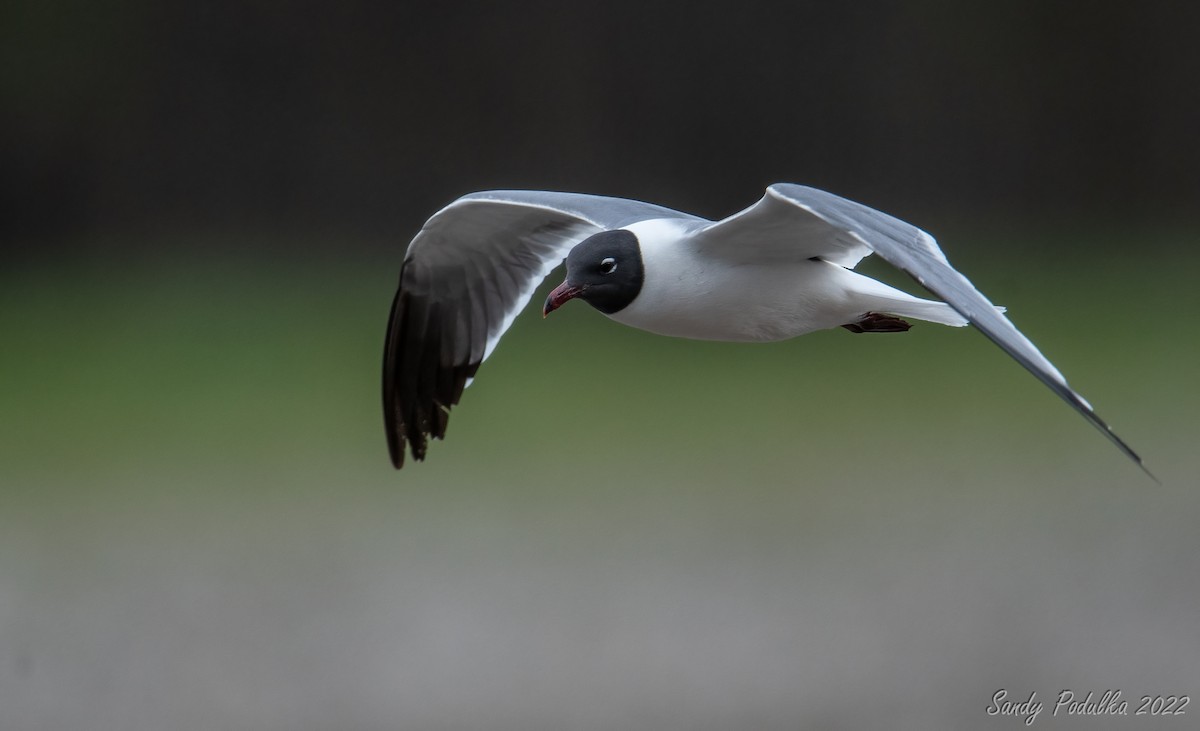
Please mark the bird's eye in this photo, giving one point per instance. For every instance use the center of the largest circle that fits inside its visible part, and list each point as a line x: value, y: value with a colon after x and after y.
x: 608, y: 265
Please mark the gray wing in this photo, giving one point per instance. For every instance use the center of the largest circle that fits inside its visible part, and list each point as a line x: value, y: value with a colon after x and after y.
x: 469, y: 271
x: 793, y: 220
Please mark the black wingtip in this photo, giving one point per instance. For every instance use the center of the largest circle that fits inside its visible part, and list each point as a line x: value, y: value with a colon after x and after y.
x: 1138, y: 461
x: 397, y: 454
x: 1107, y: 430
x: 393, y: 420
x: 1059, y: 386
x: 396, y: 443
x: 1142, y: 465
x: 1137, y: 458
x: 424, y: 372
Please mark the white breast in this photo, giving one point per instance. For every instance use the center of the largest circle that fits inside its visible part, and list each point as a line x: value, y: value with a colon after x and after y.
x: 693, y: 296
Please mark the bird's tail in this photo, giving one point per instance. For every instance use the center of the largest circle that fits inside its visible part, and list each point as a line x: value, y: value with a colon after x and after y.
x: 895, y: 302
x: 927, y: 310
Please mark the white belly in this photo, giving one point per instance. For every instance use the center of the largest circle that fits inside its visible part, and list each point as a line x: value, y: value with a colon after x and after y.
x: 707, y: 300
x: 690, y: 295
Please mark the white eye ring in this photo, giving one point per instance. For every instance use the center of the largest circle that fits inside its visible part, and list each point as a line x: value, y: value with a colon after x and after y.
x: 608, y: 265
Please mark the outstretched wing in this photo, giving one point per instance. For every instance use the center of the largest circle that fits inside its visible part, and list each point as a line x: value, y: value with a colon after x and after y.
x: 796, y: 221
x: 469, y: 271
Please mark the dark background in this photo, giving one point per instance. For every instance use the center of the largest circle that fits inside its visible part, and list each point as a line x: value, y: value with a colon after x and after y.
x: 204, y: 209
x: 359, y: 118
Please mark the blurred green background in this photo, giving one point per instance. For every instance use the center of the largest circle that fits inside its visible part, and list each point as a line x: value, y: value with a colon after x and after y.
x: 205, y: 208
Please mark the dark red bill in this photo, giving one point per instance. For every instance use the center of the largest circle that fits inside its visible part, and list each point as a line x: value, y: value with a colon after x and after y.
x: 559, y: 296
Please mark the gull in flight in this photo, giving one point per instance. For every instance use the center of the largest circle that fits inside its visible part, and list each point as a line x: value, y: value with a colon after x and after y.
x: 781, y: 268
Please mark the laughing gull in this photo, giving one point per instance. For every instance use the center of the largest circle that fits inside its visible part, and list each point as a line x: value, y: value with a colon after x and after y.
x: 778, y: 269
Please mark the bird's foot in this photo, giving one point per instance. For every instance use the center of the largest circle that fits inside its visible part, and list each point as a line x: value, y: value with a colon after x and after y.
x: 876, y: 322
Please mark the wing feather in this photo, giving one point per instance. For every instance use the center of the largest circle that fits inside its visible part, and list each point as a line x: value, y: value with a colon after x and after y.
x: 793, y: 220
x: 467, y: 274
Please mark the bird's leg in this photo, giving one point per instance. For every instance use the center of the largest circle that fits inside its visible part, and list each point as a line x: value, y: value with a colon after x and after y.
x: 877, y: 322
